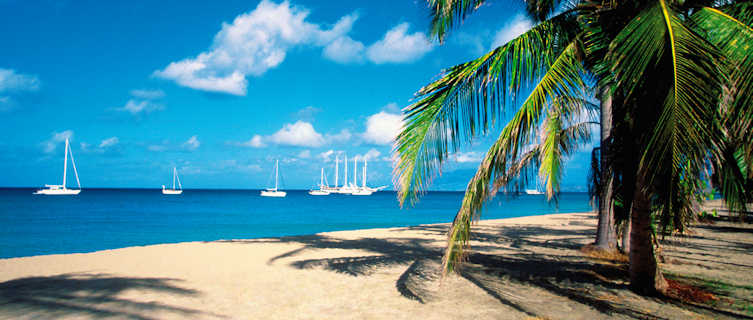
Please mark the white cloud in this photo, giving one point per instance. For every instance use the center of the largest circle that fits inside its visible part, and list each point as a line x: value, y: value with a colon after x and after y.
x: 57, y: 137
x: 370, y: 155
x: 307, y: 113
x: 464, y: 157
x: 515, y: 27
x: 391, y: 108
x: 10, y: 81
x: 344, y: 50
x: 255, y: 142
x: 252, y: 44
x: 148, y: 94
x: 305, y: 154
x: 143, y: 102
x: 138, y: 106
x: 383, y: 127
x: 342, y: 136
x: 109, y: 142
x: 398, y: 47
x: 327, y: 155
x: 192, y: 143
x: 300, y: 134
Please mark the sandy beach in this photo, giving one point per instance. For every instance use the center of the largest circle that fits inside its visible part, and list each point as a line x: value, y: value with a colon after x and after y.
x: 521, y: 268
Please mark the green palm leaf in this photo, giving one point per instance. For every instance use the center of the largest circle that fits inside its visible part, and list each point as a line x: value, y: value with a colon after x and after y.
x: 561, y: 81
x: 468, y: 99
x: 557, y: 143
x: 446, y: 13
x: 682, y: 132
x: 734, y: 37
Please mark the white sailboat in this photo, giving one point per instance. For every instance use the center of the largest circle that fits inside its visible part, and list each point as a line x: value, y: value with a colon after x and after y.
x: 173, y: 190
x: 349, y: 188
x: 346, y: 188
x: 58, y: 190
x: 534, y: 191
x: 322, y: 187
x: 363, y: 191
x: 269, y: 192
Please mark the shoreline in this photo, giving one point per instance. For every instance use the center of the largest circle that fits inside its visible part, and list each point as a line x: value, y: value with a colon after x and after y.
x: 277, y: 237
x: 340, y: 274
x: 520, y: 268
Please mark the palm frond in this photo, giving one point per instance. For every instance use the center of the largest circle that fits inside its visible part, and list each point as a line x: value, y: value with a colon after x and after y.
x: 561, y: 80
x: 541, y: 9
x: 469, y: 98
x: 551, y: 156
x: 734, y: 37
x: 637, y: 48
x: 682, y: 132
x: 730, y: 178
x: 445, y: 14
x: 557, y: 143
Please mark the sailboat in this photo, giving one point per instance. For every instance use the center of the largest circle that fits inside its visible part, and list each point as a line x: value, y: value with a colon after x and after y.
x: 269, y: 192
x: 173, y: 190
x: 58, y: 190
x: 322, y: 187
x: 363, y: 191
x: 346, y: 188
x: 534, y: 191
x: 333, y: 189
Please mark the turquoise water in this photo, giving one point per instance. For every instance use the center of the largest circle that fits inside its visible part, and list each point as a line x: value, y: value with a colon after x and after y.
x: 100, y: 219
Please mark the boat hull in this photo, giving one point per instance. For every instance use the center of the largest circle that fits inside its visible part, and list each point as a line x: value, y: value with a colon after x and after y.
x: 362, y: 193
x: 169, y: 191
x: 318, y: 193
x: 58, y: 192
x: 274, y: 194
x: 533, y: 192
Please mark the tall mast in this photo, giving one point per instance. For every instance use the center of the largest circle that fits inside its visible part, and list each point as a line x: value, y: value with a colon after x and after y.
x: 337, y: 161
x: 345, y: 183
x: 355, y: 171
x: 65, y: 162
x: 277, y: 168
x: 364, y: 172
x: 321, y: 179
x: 174, y: 173
x: 73, y: 162
x: 177, y: 178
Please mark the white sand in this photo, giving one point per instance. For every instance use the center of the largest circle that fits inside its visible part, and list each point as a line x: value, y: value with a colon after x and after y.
x: 350, y: 274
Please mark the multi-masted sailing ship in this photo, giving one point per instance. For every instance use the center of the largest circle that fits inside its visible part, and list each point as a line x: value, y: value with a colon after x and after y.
x: 347, y: 188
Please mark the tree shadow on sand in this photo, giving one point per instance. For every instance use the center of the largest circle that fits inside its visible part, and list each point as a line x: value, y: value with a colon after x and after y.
x: 508, y: 265
x: 88, y: 295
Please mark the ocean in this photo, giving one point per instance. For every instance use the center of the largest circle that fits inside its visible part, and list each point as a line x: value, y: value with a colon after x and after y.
x: 100, y: 219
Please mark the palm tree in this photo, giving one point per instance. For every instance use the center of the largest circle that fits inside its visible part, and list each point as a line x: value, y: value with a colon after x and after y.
x: 663, y: 64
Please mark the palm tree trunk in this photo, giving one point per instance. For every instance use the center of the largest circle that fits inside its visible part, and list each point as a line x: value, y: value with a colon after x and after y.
x: 626, y: 235
x: 606, y: 233
x: 645, y: 276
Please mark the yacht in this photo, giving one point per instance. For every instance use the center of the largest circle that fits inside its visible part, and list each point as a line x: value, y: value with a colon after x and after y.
x: 61, y: 190
x: 274, y: 192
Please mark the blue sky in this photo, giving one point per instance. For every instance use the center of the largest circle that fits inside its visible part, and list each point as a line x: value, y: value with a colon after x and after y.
x: 221, y: 90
